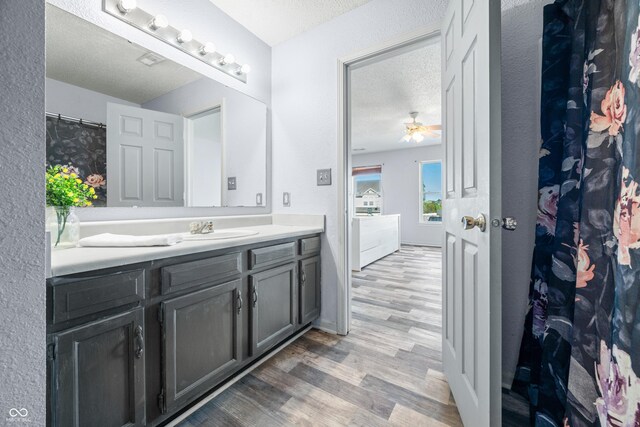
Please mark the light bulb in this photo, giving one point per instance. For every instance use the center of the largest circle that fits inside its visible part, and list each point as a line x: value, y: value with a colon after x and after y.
x: 126, y: 6
x: 406, y: 138
x: 185, y: 36
x: 244, y: 69
x: 159, y: 21
x: 207, y: 48
x: 228, y: 59
x: 418, y: 137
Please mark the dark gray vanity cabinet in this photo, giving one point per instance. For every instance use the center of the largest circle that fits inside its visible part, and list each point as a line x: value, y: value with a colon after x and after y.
x: 202, y: 333
x: 273, y: 306
x: 98, y: 373
x: 135, y: 345
x: 309, y: 289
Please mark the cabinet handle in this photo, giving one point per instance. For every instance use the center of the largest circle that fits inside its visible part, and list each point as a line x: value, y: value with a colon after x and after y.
x: 239, y: 302
x: 255, y: 296
x: 139, y: 342
x: 304, y: 277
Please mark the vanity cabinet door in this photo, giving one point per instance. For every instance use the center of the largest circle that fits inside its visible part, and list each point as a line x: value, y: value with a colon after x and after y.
x: 99, y: 373
x: 273, y: 301
x: 202, y: 335
x: 309, y: 289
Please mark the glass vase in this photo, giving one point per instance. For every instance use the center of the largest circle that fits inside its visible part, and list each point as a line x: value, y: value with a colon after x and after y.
x: 64, y: 226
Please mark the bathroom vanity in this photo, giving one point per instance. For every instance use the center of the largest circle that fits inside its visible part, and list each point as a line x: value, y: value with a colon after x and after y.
x: 135, y: 335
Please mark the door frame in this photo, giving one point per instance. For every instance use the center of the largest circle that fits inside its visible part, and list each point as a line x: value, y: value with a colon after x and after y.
x: 188, y: 139
x: 364, y: 57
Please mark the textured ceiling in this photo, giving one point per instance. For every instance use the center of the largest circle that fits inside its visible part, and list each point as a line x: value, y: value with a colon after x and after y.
x: 383, y: 94
x: 82, y: 54
x: 275, y: 21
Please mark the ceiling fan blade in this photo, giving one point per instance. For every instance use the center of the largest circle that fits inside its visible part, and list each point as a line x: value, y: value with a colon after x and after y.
x: 435, y: 127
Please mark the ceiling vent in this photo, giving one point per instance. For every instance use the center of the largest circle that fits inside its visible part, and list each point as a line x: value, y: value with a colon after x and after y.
x: 150, y: 59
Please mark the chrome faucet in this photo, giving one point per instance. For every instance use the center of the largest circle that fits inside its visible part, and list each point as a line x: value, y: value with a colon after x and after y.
x: 204, y: 227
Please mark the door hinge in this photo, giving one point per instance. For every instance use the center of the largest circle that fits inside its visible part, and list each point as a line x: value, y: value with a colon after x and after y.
x: 160, y: 315
x: 51, y: 351
x: 161, y: 402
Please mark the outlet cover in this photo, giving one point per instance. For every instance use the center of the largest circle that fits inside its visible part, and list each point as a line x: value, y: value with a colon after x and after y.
x: 324, y: 176
x: 286, y: 200
x: 259, y: 199
x: 231, y: 183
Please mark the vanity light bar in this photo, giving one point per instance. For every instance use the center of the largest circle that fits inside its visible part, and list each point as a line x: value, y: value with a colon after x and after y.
x: 160, y: 27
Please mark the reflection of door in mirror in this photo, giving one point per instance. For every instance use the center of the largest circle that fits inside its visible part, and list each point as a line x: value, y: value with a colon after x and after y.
x: 145, y: 157
x: 204, y: 158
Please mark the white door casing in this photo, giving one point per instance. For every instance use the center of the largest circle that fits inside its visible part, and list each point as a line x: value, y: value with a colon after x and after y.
x: 145, y: 157
x: 471, y: 335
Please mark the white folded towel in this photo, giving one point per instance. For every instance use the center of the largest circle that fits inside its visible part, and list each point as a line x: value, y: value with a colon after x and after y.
x: 122, y: 240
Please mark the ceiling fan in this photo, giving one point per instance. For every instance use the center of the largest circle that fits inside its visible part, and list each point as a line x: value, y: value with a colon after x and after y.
x: 416, y: 131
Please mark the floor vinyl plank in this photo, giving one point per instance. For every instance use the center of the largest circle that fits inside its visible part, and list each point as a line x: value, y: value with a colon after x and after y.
x: 386, y: 372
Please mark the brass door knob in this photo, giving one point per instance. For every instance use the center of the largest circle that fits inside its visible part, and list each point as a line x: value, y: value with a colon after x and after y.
x: 468, y: 222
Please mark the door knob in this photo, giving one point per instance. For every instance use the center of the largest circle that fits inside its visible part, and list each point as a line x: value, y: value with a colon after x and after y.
x: 507, y: 223
x: 468, y: 222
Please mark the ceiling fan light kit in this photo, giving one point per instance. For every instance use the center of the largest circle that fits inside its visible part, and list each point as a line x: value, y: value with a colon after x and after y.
x: 415, y: 131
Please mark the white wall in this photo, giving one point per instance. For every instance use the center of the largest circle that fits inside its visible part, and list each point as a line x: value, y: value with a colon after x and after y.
x: 244, y: 127
x: 401, y: 190
x: 69, y: 100
x: 22, y: 245
x: 305, y: 115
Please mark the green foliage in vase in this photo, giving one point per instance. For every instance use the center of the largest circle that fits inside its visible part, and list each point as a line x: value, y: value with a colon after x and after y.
x: 66, y: 188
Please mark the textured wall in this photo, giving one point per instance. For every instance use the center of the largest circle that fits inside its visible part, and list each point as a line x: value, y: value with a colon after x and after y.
x: 22, y: 247
x: 521, y: 32
x: 305, y: 112
x: 401, y: 190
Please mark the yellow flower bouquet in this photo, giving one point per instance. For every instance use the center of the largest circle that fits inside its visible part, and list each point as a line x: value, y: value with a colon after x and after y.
x: 64, y: 191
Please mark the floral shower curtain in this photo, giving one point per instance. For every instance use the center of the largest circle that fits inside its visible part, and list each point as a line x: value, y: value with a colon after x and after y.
x: 579, y: 361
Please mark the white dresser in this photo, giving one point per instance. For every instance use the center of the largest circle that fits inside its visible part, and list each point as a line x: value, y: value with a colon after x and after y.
x: 374, y: 237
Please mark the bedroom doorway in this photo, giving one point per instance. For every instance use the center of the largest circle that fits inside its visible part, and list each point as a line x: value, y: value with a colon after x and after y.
x: 394, y: 205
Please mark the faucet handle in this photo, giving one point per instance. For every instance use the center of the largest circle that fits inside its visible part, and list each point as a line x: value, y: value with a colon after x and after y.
x: 194, y: 227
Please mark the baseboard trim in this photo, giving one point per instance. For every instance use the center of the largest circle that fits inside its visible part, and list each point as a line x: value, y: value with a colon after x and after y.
x: 206, y: 399
x: 328, y: 327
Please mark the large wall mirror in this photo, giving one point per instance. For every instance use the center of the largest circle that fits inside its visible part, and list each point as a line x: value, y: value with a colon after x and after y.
x: 145, y: 131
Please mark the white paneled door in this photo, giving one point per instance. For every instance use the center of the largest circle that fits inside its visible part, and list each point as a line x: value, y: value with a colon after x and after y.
x: 145, y: 157
x: 471, y: 261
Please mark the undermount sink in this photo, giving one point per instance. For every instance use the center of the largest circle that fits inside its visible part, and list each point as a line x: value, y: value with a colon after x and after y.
x: 221, y: 234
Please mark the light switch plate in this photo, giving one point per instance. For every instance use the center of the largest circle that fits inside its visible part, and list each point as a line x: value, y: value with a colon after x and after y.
x: 259, y: 199
x: 286, y: 200
x: 231, y: 183
x: 324, y: 176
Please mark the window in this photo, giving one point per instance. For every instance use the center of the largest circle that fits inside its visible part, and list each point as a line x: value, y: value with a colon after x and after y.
x: 367, y: 190
x: 431, y: 192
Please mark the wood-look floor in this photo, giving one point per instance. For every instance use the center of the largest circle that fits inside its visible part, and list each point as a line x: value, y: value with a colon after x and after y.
x: 386, y: 372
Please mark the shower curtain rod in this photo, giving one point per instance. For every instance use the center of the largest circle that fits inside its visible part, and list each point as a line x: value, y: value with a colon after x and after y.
x: 75, y: 119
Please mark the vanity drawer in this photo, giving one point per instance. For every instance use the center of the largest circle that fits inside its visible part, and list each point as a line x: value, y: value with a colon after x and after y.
x: 271, y: 255
x: 205, y: 271
x: 73, y: 298
x: 310, y: 245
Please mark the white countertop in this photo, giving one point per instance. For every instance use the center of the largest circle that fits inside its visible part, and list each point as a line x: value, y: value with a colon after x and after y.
x: 77, y: 260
